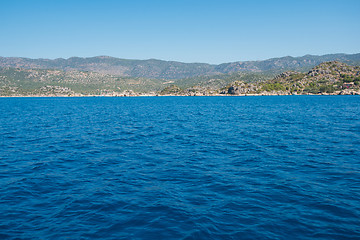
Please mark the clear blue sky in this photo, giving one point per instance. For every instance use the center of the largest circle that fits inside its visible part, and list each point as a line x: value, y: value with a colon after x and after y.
x: 213, y: 31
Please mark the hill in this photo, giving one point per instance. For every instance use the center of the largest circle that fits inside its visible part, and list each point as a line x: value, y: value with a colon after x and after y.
x: 30, y: 82
x: 327, y: 78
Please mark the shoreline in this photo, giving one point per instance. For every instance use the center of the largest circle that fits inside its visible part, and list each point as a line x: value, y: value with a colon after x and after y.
x: 149, y: 95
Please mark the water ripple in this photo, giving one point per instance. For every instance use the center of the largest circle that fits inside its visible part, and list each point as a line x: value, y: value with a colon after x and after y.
x: 282, y: 167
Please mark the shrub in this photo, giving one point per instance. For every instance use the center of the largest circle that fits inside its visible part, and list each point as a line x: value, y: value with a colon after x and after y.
x: 327, y: 88
x: 274, y: 87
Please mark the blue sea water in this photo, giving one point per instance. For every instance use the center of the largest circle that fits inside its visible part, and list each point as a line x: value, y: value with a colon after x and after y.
x: 279, y: 167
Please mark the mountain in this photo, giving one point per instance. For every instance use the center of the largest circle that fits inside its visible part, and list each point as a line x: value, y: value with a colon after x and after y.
x: 169, y: 70
x: 326, y: 78
x: 151, y: 68
x: 288, y: 63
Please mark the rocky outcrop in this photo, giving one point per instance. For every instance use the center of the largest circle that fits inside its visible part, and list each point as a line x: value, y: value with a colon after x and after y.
x: 241, y: 88
x: 171, y: 90
x: 286, y: 74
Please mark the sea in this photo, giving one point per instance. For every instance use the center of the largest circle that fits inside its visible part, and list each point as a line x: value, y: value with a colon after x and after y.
x: 254, y: 167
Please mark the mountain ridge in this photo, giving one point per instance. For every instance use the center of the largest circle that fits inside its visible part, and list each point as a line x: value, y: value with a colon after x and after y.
x: 161, y: 69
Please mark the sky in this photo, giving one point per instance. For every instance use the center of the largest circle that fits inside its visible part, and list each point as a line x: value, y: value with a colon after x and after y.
x: 209, y: 31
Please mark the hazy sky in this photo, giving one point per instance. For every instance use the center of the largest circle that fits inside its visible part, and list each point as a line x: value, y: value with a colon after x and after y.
x: 189, y: 31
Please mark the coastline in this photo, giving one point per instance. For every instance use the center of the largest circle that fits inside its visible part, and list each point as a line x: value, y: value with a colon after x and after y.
x: 327, y: 78
x: 356, y: 93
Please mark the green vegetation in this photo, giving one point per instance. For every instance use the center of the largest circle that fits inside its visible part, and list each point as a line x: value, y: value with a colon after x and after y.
x: 326, y: 78
x: 330, y: 78
x: 30, y: 81
x: 273, y: 87
x: 349, y: 78
x: 314, y: 88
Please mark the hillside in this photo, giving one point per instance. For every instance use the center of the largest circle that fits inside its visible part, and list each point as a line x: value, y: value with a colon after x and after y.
x: 327, y: 78
x: 170, y: 70
x: 29, y: 82
x: 19, y: 81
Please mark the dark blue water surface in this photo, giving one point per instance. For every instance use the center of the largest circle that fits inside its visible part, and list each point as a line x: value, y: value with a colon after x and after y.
x: 282, y: 167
